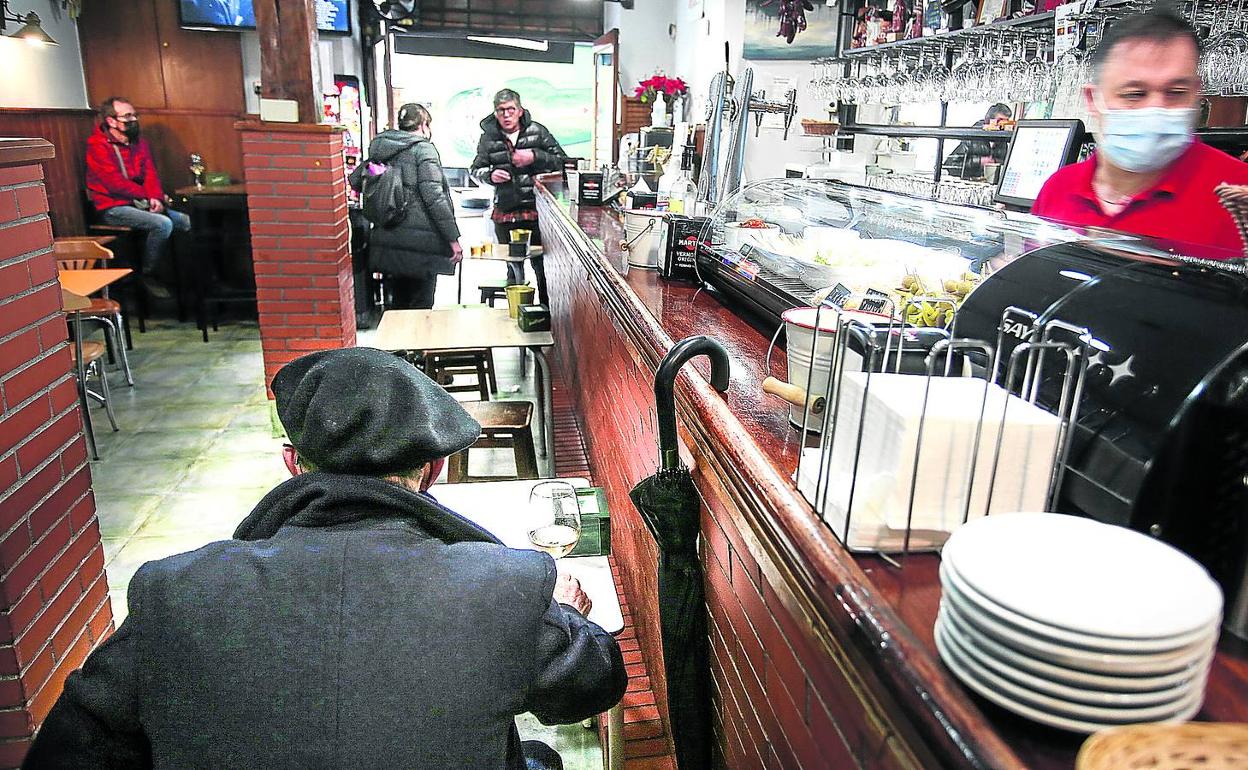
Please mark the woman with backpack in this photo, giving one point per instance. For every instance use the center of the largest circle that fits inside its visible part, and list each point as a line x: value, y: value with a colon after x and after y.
x: 414, y: 237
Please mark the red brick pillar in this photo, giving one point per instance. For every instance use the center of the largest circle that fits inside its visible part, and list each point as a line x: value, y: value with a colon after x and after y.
x: 300, y: 239
x: 52, y: 585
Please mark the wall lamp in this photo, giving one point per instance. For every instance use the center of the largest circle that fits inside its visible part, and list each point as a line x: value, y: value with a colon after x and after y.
x: 31, y: 30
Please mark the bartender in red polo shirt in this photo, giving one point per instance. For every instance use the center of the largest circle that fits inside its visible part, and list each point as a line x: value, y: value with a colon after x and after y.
x: 1150, y: 175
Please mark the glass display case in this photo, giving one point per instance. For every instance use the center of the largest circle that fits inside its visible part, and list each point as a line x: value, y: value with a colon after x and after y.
x: 781, y: 243
x: 1162, y: 423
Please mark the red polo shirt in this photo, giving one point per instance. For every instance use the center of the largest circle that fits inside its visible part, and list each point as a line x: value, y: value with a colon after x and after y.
x: 1181, y: 207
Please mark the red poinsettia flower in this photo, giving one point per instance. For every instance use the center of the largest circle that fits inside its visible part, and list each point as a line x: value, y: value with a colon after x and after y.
x: 660, y: 85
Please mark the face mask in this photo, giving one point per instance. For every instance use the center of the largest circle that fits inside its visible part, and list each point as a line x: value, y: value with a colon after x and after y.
x: 131, y: 130
x: 1146, y: 139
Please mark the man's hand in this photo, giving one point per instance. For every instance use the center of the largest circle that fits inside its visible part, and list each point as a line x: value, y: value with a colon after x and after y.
x: 457, y: 252
x: 568, y: 591
x: 500, y: 175
x: 156, y: 205
x: 523, y: 158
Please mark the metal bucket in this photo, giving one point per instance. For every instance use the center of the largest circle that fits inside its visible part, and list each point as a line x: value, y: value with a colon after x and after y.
x: 643, y: 229
x: 799, y: 330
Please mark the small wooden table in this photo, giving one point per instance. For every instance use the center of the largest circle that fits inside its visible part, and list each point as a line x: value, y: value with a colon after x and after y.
x: 473, y: 327
x: 217, y: 189
x: 103, y: 240
x: 501, y: 507
x: 88, y: 282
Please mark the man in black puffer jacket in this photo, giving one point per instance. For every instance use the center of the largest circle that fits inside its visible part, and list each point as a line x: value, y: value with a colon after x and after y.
x: 425, y: 243
x: 512, y: 150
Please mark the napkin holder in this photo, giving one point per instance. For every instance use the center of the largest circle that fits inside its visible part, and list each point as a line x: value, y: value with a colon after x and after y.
x: 595, y: 523
x: 534, y: 318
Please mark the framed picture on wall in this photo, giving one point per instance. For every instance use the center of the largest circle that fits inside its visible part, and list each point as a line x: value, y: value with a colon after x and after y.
x: 992, y: 10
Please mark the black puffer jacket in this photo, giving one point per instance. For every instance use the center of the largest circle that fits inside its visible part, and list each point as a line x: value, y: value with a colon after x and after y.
x: 492, y: 153
x: 420, y: 244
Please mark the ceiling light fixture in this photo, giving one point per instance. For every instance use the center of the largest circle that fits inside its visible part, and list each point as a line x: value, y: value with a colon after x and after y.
x: 32, y: 26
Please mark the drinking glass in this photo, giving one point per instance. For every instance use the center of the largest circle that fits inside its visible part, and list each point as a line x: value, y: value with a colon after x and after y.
x: 556, y: 518
x: 197, y: 170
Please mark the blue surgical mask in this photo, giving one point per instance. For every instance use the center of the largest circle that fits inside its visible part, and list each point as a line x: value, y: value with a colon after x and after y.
x: 1146, y: 139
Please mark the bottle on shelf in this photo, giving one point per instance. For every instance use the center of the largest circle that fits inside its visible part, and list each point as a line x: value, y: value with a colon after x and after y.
x: 671, y: 171
x: 684, y: 193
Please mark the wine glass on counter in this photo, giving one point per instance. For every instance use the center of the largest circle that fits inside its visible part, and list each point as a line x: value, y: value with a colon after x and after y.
x: 197, y: 170
x: 556, y: 518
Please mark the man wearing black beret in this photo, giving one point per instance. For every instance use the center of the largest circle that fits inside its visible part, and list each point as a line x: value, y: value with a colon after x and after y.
x: 351, y: 622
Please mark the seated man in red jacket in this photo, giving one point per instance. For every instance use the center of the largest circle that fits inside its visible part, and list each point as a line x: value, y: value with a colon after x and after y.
x: 125, y: 188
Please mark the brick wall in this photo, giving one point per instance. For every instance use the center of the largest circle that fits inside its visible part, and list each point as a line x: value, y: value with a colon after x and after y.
x: 300, y: 239
x: 780, y: 699
x: 52, y: 587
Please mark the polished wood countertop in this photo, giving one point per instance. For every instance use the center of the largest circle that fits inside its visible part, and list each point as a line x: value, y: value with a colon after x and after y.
x: 891, y: 611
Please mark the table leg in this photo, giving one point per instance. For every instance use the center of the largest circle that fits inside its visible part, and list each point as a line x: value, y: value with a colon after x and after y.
x: 615, y: 737
x: 545, y: 399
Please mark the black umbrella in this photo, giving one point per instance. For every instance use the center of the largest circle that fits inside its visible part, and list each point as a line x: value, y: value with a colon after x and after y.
x: 670, y: 506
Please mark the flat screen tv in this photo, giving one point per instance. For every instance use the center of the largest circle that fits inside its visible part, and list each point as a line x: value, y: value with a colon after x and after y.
x: 332, y: 16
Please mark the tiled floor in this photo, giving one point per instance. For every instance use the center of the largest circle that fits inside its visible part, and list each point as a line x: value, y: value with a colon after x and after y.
x: 196, y: 452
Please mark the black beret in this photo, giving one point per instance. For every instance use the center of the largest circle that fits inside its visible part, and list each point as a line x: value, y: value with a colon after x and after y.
x: 368, y: 412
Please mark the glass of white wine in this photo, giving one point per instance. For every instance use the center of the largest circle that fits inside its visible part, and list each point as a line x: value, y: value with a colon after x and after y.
x: 556, y: 518
x: 197, y: 170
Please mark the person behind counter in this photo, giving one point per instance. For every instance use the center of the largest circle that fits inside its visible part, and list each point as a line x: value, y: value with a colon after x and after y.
x: 351, y: 622
x: 1150, y: 175
x: 968, y: 159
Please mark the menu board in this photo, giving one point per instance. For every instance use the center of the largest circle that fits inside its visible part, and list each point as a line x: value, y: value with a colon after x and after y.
x: 1039, y: 148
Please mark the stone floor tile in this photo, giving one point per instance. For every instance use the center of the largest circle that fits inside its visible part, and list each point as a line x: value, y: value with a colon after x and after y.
x: 121, y: 515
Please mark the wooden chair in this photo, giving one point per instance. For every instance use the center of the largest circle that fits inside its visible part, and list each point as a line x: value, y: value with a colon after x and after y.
x: 87, y: 254
x: 440, y: 364
x: 504, y: 425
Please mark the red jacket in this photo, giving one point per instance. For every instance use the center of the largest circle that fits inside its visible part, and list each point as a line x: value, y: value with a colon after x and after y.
x: 107, y: 185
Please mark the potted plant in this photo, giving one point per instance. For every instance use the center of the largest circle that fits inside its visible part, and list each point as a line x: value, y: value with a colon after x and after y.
x: 660, y: 91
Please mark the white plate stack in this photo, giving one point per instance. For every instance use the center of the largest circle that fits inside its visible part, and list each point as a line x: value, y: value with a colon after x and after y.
x: 1076, y: 624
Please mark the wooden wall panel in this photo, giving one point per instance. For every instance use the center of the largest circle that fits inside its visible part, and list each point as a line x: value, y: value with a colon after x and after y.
x: 67, y: 130
x: 175, y: 134
x: 202, y: 70
x: 121, y: 52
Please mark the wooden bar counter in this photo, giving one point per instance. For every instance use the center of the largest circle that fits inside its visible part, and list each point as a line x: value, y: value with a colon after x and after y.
x: 821, y: 659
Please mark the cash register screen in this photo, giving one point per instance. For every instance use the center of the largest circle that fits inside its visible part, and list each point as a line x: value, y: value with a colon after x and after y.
x: 1038, y: 148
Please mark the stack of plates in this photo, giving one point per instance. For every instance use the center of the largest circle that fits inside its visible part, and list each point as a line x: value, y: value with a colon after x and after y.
x: 1076, y: 624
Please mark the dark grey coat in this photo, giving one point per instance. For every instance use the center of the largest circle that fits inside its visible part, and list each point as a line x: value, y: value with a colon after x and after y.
x: 352, y: 624
x: 492, y: 153
x: 420, y: 244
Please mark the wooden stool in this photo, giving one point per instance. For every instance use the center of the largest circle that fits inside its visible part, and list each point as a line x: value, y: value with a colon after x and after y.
x: 492, y: 290
x: 477, y: 361
x: 504, y: 424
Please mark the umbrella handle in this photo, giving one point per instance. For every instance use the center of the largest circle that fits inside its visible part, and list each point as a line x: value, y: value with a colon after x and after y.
x: 665, y: 383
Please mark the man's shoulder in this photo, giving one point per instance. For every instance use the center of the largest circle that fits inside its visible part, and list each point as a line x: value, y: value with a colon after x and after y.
x: 538, y: 127
x: 96, y: 139
x: 510, y: 563
x: 1214, y: 162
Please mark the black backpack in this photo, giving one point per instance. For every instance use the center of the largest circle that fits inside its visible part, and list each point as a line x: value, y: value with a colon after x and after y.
x: 383, y: 197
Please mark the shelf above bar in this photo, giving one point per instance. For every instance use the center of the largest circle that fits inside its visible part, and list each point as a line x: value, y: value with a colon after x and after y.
x: 927, y: 132
x: 1035, y: 20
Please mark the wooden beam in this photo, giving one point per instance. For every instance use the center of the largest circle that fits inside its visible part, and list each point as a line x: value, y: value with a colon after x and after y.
x: 289, y: 56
